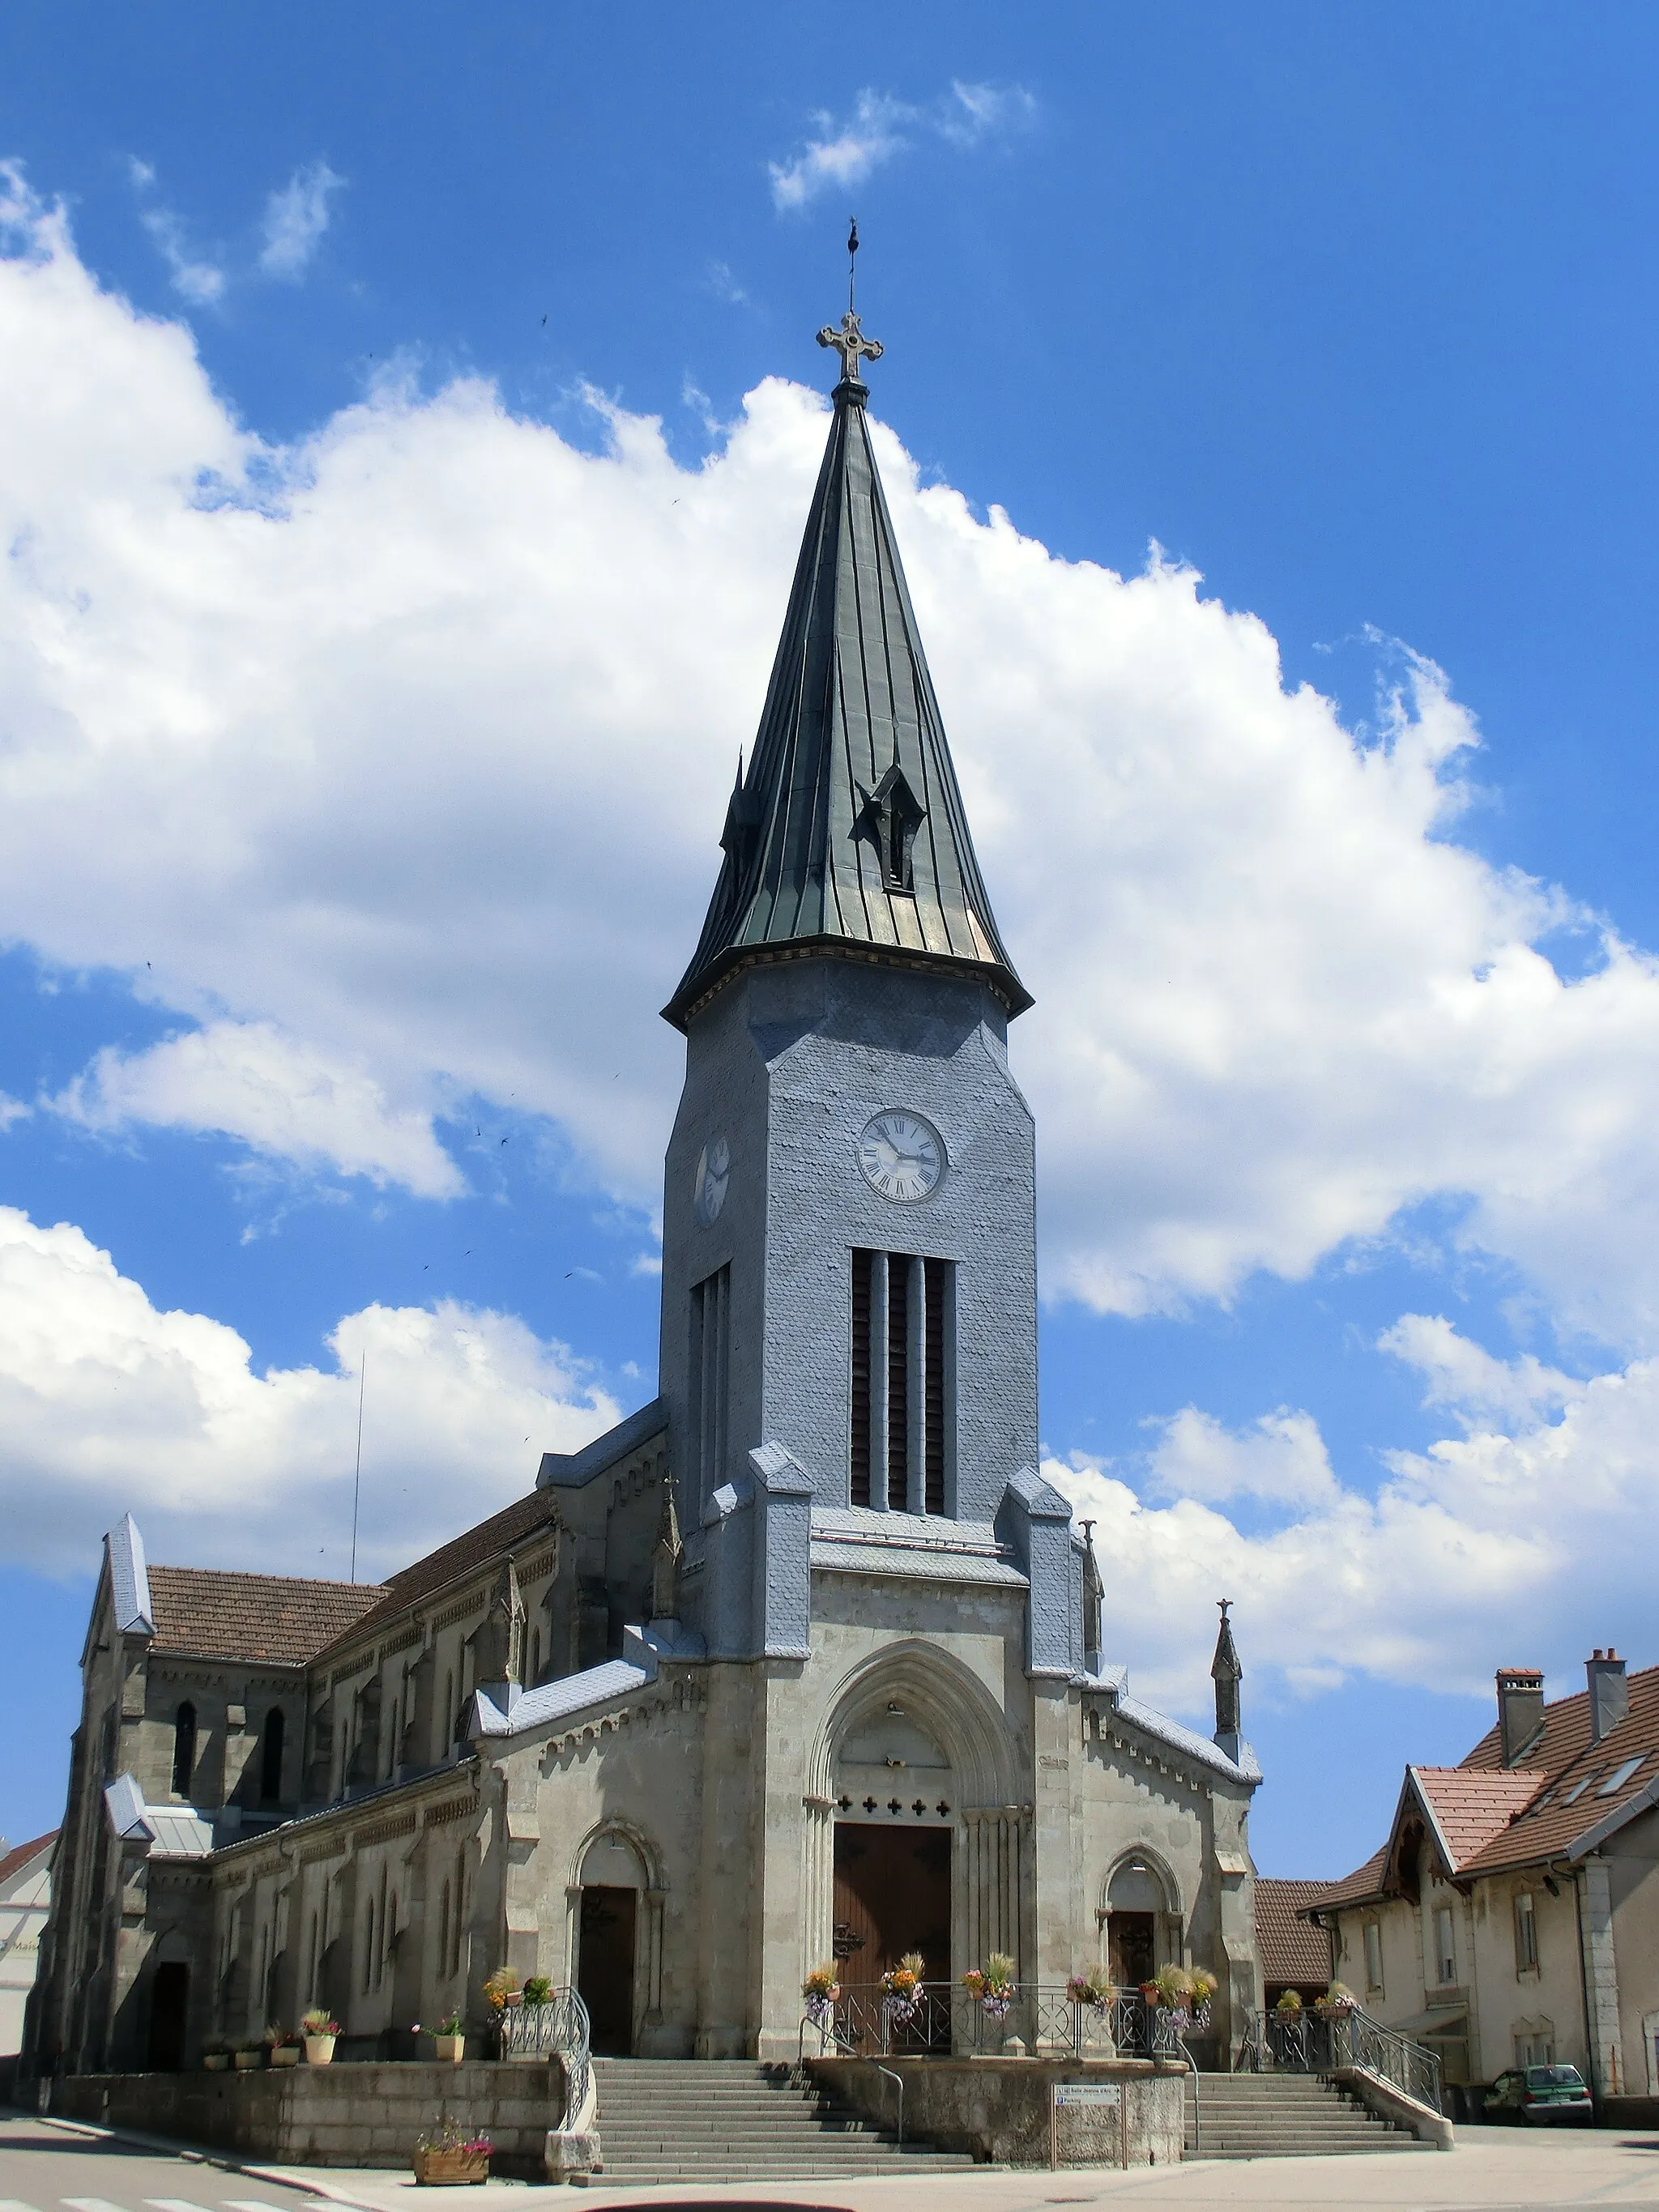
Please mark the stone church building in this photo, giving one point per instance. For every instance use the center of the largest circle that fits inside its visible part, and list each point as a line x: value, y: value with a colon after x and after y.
x: 803, y: 1660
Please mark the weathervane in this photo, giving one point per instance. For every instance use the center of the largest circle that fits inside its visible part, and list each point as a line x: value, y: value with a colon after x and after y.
x: 849, y: 341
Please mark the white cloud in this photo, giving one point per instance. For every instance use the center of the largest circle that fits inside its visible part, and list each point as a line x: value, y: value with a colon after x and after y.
x: 295, y: 219
x: 281, y: 1097
x: 411, y: 743
x: 846, y: 149
x: 200, y: 282
x: 1468, y: 1381
x: 108, y: 1405
x: 1488, y: 1547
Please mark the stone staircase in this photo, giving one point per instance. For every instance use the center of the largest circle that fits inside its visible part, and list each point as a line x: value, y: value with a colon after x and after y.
x: 1284, y: 2116
x: 729, y: 2120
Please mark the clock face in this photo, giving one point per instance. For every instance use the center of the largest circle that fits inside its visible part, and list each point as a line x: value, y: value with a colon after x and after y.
x: 902, y: 1155
x: 713, y: 1173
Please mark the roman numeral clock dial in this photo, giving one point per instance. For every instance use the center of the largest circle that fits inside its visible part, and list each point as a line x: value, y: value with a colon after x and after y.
x: 902, y: 1155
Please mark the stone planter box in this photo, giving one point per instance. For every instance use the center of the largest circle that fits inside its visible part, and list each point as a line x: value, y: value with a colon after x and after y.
x: 249, y: 2062
x: 447, y: 2168
x: 285, y: 2054
x: 452, y: 2049
x: 320, y: 2050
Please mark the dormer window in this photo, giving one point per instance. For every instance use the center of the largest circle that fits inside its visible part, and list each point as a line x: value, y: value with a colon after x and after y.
x: 891, y: 817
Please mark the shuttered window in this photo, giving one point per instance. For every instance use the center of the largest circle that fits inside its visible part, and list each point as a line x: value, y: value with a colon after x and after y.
x: 902, y: 1395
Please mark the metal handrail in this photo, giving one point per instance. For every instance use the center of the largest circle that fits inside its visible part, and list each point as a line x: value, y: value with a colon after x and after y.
x: 1322, y: 2042
x: 941, y: 2017
x: 558, y: 2028
x: 897, y: 2081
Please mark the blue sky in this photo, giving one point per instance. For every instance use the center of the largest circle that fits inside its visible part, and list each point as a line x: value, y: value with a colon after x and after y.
x: 399, y: 520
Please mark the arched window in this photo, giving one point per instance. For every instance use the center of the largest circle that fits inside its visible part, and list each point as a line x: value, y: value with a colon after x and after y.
x: 271, y: 1757
x: 183, y: 1748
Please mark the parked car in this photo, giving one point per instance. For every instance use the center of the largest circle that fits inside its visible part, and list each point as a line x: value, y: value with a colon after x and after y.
x: 1538, y: 2094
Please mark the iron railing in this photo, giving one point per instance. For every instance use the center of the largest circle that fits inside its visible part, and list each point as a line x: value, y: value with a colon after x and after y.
x: 942, y: 2019
x: 1318, y: 2043
x: 557, y: 2028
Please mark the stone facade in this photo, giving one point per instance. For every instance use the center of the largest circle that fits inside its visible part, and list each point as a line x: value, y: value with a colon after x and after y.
x: 803, y: 1662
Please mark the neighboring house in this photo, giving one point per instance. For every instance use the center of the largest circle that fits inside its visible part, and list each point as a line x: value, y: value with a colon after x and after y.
x: 24, y: 1896
x: 804, y: 1660
x: 1295, y: 1952
x: 1512, y: 1916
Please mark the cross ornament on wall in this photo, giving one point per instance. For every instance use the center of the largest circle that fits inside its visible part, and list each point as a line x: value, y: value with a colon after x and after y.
x: 850, y: 343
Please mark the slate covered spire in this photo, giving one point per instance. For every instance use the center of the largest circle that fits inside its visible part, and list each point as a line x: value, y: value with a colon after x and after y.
x: 1226, y: 1673
x: 848, y: 828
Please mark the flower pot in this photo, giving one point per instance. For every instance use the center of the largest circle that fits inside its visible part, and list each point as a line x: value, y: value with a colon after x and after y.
x: 453, y: 2047
x: 216, y: 2061
x: 513, y: 1999
x: 285, y: 2054
x: 248, y: 2060
x: 320, y: 2050
x: 448, y: 2169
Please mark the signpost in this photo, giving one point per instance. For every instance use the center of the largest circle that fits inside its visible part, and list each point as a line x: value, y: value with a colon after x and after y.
x: 1095, y: 2096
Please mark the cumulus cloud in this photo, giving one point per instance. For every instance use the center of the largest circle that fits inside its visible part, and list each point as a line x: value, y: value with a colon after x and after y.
x: 1463, y: 1377
x: 108, y: 1405
x: 1526, y: 1547
x: 295, y: 219
x: 848, y: 147
x: 283, y: 1099
x: 408, y: 745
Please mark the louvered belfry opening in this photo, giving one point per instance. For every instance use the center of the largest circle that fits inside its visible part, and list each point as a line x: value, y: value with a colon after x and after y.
x: 901, y: 1396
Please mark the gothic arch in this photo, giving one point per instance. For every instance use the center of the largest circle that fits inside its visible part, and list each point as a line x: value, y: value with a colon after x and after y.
x: 950, y: 1704
x: 1162, y: 1875
x: 648, y: 1859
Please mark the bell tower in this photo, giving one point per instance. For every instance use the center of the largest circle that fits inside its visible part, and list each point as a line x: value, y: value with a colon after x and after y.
x: 849, y: 1278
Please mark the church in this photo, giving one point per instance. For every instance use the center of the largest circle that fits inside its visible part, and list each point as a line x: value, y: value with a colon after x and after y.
x: 804, y: 1661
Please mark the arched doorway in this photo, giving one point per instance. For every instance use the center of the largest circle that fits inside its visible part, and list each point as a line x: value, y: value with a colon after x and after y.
x: 610, y: 1939
x: 896, y: 1798
x: 169, y: 2009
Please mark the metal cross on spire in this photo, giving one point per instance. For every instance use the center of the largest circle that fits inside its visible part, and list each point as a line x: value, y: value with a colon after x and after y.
x: 849, y: 341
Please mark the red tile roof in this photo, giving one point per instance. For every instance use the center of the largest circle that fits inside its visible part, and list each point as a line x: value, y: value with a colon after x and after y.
x: 15, y: 1861
x: 1471, y: 1805
x: 1290, y: 1950
x: 467, y: 1554
x: 1493, y: 1817
x: 265, y: 1619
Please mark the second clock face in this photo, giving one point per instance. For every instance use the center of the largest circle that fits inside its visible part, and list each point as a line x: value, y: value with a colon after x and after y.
x: 902, y: 1155
x: 713, y: 1173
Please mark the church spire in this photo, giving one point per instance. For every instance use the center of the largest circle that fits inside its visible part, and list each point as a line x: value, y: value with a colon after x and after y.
x: 1226, y: 1673
x: 848, y: 828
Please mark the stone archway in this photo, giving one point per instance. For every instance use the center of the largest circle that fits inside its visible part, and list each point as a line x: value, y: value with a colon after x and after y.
x: 1140, y: 1919
x: 615, y: 1904
x: 912, y: 1714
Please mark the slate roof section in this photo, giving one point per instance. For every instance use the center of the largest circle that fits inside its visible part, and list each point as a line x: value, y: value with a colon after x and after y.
x: 850, y: 700
x: 471, y: 1553
x: 1290, y: 1950
x: 280, y: 1620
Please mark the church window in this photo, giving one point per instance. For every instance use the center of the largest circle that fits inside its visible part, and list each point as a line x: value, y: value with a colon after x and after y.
x: 901, y: 1383
x: 1526, y: 1934
x: 711, y: 1327
x: 271, y: 1757
x: 1373, y: 1957
x: 183, y: 1748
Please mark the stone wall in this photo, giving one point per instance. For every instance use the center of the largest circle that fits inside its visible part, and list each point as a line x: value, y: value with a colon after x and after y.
x: 997, y: 2110
x: 331, y: 2115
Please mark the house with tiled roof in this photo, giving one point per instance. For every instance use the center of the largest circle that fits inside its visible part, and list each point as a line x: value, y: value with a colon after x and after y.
x: 1512, y: 1916
x: 1295, y: 1952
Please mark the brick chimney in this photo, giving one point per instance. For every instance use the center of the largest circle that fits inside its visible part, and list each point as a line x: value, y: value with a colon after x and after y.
x: 1520, y: 1709
x: 1609, y: 1693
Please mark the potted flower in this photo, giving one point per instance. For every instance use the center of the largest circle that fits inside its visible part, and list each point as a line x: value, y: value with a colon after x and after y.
x: 283, y: 2045
x: 249, y: 2055
x: 537, y: 1988
x: 501, y: 1989
x: 319, y: 2031
x: 216, y: 2055
x: 998, y: 1993
x: 449, y: 2154
x: 451, y: 2038
x: 901, y: 1987
x: 821, y: 1991
x: 1288, y: 2010
x: 1337, y: 2001
x: 1091, y: 1988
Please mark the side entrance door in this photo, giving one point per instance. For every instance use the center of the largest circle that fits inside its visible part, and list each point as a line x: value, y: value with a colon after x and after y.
x: 604, y: 1968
